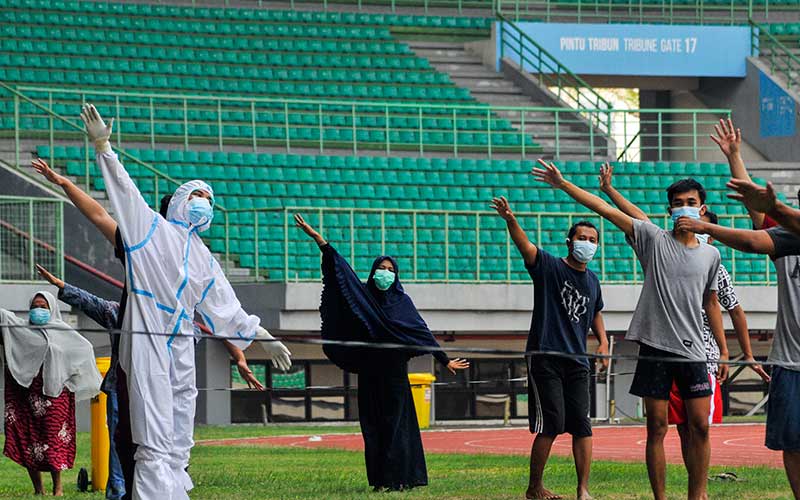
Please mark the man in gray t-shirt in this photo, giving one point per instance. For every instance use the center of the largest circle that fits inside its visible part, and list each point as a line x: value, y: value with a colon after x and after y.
x: 670, y: 317
x: 680, y: 281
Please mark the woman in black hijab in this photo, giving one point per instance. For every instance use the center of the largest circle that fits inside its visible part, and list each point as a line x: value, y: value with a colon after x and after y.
x: 378, y: 311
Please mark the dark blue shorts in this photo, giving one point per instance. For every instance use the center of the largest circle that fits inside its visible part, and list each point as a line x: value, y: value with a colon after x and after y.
x: 783, y: 410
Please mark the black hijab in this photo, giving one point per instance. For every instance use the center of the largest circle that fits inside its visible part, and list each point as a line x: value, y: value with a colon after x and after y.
x: 352, y: 310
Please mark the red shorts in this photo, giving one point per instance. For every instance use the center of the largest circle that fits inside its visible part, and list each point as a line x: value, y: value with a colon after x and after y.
x: 677, y: 410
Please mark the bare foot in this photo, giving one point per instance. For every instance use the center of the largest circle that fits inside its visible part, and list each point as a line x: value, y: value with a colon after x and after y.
x: 541, y: 493
x: 58, y: 493
x: 584, y: 495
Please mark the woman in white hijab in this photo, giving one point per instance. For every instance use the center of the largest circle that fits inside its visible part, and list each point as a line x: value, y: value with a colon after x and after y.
x: 48, y: 365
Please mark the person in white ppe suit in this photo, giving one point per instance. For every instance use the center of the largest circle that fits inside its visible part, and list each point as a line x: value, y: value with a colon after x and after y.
x: 171, y: 274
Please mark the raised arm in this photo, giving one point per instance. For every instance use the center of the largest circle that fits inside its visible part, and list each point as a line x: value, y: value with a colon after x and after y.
x: 527, y: 249
x: 302, y: 224
x: 631, y: 210
x: 101, y: 311
x: 729, y: 140
x: 745, y: 240
x: 549, y: 174
x: 87, y: 205
x: 714, y: 314
x: 764, y: 200
x: 134, y: 216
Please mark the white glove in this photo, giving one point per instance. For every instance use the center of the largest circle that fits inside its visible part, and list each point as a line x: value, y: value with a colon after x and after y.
x: 97, y: 129
x: 280, y: 355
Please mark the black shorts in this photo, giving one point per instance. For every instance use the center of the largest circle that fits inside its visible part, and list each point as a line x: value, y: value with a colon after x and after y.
x: 558, y: 396
x: 783, y: 410
x: 653, y: 379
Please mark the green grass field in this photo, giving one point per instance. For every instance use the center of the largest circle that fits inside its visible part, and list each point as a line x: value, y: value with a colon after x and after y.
x: 246, y: 472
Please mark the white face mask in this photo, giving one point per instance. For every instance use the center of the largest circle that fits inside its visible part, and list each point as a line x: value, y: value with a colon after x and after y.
x: 583, y: 251
x: 702, y: 238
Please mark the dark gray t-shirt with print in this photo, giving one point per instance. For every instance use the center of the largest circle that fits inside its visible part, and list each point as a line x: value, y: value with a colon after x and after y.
x: 786, y: 342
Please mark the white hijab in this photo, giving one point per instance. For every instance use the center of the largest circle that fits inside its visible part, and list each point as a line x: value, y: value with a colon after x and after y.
x: 64, y: 356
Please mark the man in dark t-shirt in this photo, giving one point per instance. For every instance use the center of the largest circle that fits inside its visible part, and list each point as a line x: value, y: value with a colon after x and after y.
x: 567, y: 302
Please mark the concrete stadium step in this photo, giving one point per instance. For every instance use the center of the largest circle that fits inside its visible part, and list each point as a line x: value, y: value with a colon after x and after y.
x: 488, y: 86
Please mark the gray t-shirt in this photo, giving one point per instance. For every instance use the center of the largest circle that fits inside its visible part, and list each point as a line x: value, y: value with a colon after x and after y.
x: 677, y: 279
x: 786, y: 342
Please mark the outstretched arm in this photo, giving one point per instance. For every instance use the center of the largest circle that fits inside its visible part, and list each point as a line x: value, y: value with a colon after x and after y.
x: 549, y: 174
x: 606, y: 174
x: 745, y: 240
x: 764, y: 200
x: 134, y: 215
x: 88, y: 206
x: 729, y: 140
x: 103, y: 312
x: 302, y: 224
x: 524, y: 245
x: 714, y: 314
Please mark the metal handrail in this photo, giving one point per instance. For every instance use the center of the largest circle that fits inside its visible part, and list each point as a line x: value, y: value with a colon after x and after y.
x: 665, y: 11
x: 781, y: 59
x: 293, y: 246
x: 386, y: 125
x: 545, y: 64
x: 29, y: 259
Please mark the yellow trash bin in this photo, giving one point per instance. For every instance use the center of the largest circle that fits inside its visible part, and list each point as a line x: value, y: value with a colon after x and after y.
x: 421, y: 391
x: 99, y: 433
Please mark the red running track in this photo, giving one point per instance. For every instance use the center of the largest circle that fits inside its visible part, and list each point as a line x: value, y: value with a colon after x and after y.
x: 731, y: 445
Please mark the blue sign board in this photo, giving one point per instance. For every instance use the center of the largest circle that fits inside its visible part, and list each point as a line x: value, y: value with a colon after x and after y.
x: 776, y: 114
x: 638, y: 49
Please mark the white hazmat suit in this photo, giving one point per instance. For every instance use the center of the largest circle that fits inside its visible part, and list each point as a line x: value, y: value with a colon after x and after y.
x: 171, y: 274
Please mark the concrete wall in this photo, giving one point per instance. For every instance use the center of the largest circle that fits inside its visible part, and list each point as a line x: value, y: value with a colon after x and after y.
x: 743, y: 98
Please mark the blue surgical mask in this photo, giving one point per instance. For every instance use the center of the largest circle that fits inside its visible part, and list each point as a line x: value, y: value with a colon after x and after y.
x: 691, y: 212
x: 583, y: 250
x: 39, y: 316
x: 702, y: 238
x: 200, y: 211
x: 383, y: 279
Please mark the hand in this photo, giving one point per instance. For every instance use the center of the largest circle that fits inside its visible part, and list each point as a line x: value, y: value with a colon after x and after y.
x: 549, y: 174
x: 602, y: 350
x: 690, y: 225
x: 728, y: 139
x: 97, y: 129
x: 758, y: 369
x: 302, y: 224
x: 457, y: 364
x: 280, y: 355
x: 247, y: 374
x: 44, y: 273
x: 606, y: 172
x: 722, y: 368
x: 44, y: 169
x: 502, y: 207
x: 754, y: 197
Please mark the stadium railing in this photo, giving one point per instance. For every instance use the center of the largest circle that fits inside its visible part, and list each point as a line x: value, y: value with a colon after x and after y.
x: 568, y: 87
x: 643, y: 11
x: 464, y: 246
x: 31, y: 232
x: 653, y: 134
x: 782, y: 62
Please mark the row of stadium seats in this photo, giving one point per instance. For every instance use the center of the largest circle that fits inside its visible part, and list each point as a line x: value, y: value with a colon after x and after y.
x: 173, y: 12
x: 272, y: 181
